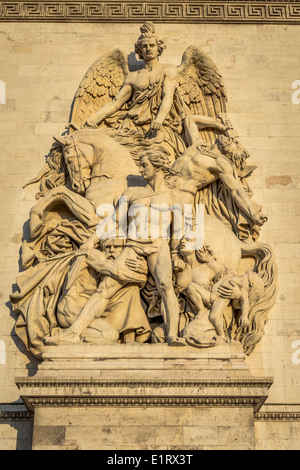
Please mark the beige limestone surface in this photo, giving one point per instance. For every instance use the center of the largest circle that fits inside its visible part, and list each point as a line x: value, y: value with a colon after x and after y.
x: 42, y: 65
x: 278, y: 432
x: 143, y: 397
x: 151, y: 429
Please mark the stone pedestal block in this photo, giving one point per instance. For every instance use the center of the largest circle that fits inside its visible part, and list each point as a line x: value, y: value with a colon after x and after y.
x: 143, y: 397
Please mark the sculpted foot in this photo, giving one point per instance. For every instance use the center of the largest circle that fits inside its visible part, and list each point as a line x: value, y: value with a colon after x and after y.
x: 176, y: 341
x: 63, y: 337
x: 201, y: 341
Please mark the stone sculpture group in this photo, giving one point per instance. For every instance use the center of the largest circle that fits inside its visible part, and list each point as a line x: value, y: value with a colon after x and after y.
x: 101, y: 265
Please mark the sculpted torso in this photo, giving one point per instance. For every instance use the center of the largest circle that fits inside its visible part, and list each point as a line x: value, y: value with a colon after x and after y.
x: 201, y: 275
x: 195, y: 171
x: 145, y: 201
x: 145, y: 78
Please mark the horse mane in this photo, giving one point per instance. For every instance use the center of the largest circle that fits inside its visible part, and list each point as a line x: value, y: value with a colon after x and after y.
x: 53, y: 174
x: 134, y: 141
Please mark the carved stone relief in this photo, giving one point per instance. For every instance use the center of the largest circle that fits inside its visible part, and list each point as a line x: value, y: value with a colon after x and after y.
x: 145, y: 227
x: 191, y: 11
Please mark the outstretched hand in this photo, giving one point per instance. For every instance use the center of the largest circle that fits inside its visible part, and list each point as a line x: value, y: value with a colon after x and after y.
x: 155, y: 126
x: 228, y: 290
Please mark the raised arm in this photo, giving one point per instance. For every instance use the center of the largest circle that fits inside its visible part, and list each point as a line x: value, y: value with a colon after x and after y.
x: 169, y: 86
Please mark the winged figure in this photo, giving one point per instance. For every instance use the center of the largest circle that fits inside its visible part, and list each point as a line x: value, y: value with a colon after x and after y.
x: 101, y: 83
x: 162, y: 102
x: 173, y: 114
x: 174, y: 107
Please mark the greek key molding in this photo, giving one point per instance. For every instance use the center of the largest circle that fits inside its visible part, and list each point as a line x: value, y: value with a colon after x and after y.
x: 175, y: 11
x: 169, y: 383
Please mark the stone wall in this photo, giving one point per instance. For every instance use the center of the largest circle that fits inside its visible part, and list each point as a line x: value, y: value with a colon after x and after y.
x: 42, y: 64
x: 276, y: 427
x: 149, y: 428
x: 16, y: 426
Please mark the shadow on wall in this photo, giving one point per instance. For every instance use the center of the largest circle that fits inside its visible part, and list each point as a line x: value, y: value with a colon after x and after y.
x: 23, y: 438
x: 33, y: 362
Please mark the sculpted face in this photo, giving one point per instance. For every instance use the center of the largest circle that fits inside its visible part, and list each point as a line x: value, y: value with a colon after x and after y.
x: 147, y: 170
x: 112, y: 251
x: 79, y: 172
x: 183, y: 248
x: 149, y: 49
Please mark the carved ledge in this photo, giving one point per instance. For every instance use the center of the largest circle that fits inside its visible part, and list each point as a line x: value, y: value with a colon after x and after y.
x: 158, y: 383
x: 76, y: 392
x: 16, y: 416
x: 141, y: 401
x: 277, y: 416
x: 143, y: 375
x: 28, y: 416
x: 192, y: 11
x: 151, y: 363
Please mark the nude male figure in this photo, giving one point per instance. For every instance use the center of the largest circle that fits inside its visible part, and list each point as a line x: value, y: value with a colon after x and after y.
x: 199, y: 166
x: 157, y: 253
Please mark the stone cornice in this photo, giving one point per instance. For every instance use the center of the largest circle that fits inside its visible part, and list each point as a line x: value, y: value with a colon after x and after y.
x: 61, y: 392
x: 130, y: 401
x: 28, y: 416
x: 157, y: 383
x: 277, y: 416
x: 171, y: 11
x: 18, y: 416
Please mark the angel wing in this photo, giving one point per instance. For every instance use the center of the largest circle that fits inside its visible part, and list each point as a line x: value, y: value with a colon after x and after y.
x: 101, y: 83
x: 201, y: 87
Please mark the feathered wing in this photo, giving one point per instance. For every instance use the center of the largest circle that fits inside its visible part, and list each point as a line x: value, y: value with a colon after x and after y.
x: 201, y: 87
x: 101, y: 83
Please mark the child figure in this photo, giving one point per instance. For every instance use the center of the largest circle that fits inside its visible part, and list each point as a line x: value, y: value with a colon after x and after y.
x: 243, y: 291
x: 211, y: 287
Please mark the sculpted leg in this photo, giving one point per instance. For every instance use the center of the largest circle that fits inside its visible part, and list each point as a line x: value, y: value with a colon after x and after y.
x: 161, y: 268
x: 100, y: 332
x: 216, y: 315
x: 200, y: 297
x: 94, y: 308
